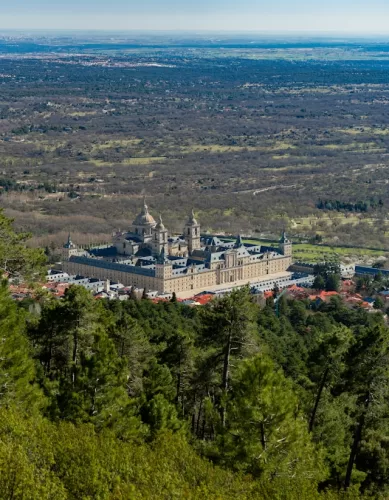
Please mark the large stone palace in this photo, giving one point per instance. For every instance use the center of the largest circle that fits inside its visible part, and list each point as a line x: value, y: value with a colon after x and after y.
x: 146, y: 256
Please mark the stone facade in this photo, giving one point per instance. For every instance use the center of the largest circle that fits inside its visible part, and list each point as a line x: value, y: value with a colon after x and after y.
x: 146, y: 257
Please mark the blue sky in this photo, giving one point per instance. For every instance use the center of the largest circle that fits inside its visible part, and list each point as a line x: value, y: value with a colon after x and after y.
x: 341, y: 16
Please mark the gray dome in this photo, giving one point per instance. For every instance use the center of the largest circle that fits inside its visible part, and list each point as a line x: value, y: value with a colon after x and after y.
x: 144, y: 218
x: 160, y: 224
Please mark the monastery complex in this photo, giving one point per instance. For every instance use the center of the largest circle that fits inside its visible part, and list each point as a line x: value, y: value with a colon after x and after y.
x: 146, y: 256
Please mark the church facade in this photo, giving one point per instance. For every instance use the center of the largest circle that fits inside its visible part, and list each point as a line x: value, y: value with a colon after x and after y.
x: 146, y: 256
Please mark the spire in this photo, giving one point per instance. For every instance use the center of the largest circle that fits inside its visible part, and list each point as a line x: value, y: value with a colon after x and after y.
x: 238, y: 242
x: 160, y: 224
x: 69, y: 243
x: 161, y: 258
x: 192, y: 220
x: 284, y: 238
x: 145, y: 207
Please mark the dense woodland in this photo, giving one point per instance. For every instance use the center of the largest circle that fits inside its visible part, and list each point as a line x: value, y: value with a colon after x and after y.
x: 118, y: 400
x: 251, y: 138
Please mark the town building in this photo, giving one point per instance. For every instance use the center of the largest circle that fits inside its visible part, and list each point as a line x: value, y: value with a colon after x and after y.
x: 146, y: 256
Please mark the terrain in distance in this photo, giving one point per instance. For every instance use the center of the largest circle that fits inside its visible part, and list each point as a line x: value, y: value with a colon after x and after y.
x: 253, y: 133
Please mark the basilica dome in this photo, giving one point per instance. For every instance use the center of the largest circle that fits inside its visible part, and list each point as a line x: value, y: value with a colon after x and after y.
x: 144, y: 218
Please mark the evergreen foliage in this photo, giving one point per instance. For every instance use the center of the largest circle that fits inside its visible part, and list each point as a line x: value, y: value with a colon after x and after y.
x: 16, y: 259
x: 110, y: 399
x: 18, y: 386
x: 360, y: 206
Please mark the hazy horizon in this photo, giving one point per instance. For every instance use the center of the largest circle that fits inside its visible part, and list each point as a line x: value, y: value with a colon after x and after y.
x: 196, y: 31
x: 344, y: 17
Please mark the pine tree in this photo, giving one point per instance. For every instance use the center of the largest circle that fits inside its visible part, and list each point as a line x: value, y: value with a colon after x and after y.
x: 319, y: 282
x: 157, y: 409
x: 17, y: 369
x: 282, y: 306
x: 367, y: 380
x: 16, y: 259
x: 378, y: 303
x: 179, y: 356
x: 80, y: 322
x: 133, y: 347
x: 99, y: 395
x: 229, y: 327
x: 333, y: 282
x: 49, y: 339
x: 328, y: 361
x: 265, y: 434
x: 82, y: 371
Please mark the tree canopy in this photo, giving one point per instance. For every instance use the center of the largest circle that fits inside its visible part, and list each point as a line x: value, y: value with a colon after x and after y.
x: 111, y: 399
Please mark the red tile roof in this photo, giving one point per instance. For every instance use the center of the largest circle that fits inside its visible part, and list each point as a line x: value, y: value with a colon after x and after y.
x: 203, y: 299
x: 323, y: 295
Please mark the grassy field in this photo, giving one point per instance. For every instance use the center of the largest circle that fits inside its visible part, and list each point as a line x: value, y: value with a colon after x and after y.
x: 315, y: 253
x: 129, y: 161
x: 219, y: 148
x: 333, y: 219
x: 365, y: 130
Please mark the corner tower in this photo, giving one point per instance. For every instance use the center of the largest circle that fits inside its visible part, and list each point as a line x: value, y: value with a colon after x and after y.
x: 239, y: 242
x: 163, y: 268
x: 69, y: 249
x: 285, y: 245
x: 192, y: 233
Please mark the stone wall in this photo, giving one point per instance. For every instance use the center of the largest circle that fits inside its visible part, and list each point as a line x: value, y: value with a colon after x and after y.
x: 192, y: 280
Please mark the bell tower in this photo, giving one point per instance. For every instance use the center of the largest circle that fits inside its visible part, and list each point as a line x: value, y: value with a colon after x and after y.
x: 159, y: 238
x: 192, y: 233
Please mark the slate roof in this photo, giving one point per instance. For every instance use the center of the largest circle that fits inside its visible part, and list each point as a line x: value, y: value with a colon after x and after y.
x: 143, y: 252
x: 105, y: 264
x: 212, y: 241
x: 104, y: 252
x: 133, y: 237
